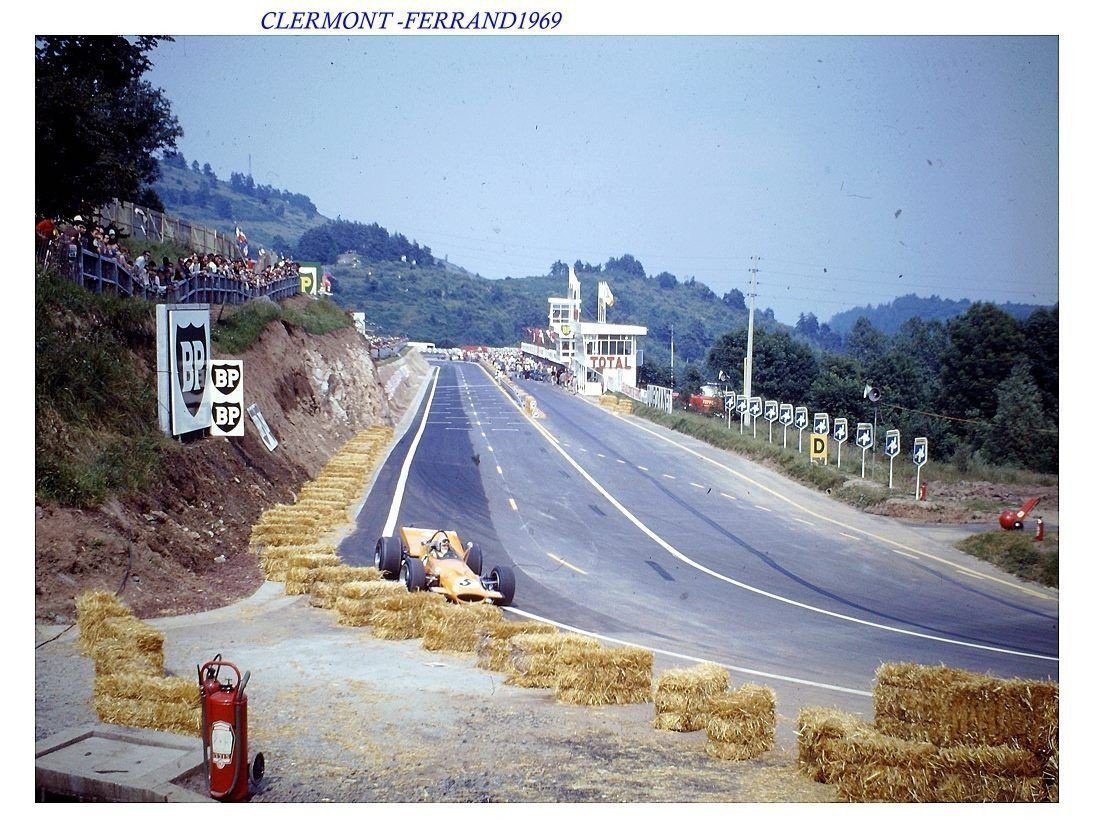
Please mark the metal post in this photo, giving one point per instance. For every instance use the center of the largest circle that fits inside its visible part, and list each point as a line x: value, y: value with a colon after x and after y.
x: 748, y: 350
x: 891, y: 471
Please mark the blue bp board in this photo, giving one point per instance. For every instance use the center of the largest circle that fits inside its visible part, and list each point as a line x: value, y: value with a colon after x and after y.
x: 226, y: 378
x: 820, y: 424
x: 731, y: 401
x: 786, y: 414
x: 742, y: 405
x: 771, y: 411
x: 801, y: 418
x: 755, y: 406
x: 182, y: 366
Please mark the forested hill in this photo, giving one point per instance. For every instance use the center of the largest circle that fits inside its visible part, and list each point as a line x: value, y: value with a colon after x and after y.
x: 452, y: 308
x: 889, y: 317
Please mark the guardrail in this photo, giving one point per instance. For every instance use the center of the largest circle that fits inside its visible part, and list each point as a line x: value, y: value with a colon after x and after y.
x: 92, y: 271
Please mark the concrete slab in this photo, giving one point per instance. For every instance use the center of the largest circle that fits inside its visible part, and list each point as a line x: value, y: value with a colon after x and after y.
x: 116, y: 764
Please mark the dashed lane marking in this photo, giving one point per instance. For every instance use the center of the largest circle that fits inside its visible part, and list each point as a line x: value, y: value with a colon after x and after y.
x: 567, y: 564
x: 513, y: 504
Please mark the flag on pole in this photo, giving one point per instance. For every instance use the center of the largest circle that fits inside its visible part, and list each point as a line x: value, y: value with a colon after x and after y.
x: 604, y: 294
x: 241, y: 243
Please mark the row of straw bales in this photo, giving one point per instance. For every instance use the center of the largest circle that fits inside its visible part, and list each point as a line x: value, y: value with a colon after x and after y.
x: 940, y: 735
x: 616, y: 404
x: 130, y: 686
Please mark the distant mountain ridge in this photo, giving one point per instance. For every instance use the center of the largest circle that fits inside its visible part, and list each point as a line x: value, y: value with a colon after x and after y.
x: 889, y: 317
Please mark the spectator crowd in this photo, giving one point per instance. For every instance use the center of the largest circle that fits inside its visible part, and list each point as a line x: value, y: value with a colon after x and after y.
x: 59, y: 243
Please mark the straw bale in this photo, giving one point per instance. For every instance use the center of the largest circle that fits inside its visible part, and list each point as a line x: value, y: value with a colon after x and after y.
x: 324, y: 594
x: 93, y: 608
x: 951, y: 707
x: 158, y: 715
x: 343, y: 574
x: 741, y: 723
x: 298, y: 580
x: 402, y: 616
x: 168, y: 689
x: 593, y: 676
x: 534, y: 659
x: 820, y: 731
x: 357, y: 600
x: 287, y: 552
x: 680, y: 696
x: 494, y: 644
x: 456, y: 627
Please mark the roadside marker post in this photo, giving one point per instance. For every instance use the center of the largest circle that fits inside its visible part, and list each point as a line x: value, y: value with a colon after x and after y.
x: 801, y: 421
x: 864, y: 438
x: 919, y: 457
x: 731, y: 403
x: 892, y: 448
x: 786, y: 418
x: 771, y: 413
x: 755, y: 410
x: 839, y: 434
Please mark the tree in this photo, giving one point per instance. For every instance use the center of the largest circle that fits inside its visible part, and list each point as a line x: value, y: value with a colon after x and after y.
x: 837, y: 389
x: 735, y: 300
x: 1042, y: 334
x: 665, y: 280
x: 625, y: 264
x: 222, y: 207
x: 558, y: 268
x: 865, y: 343
x: 1020, y: 433
x: 807, y: 325
x: 984, y: 345
x: 781, y: 366
x: 98, y: 124
x: 195, y: 167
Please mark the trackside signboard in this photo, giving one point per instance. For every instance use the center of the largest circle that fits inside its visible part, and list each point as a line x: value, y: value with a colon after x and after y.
x: 182, y: 368
x: 227, y: 407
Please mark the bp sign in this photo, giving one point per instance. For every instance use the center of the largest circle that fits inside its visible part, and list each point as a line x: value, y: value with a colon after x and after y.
x: 801, y: 418
x: 183, y: 356
x: 892, y: 442
x: 786, y: 414
x: 771, y: 411
x: 731, y: 401
x: 755, y: 406
x: 820, y: 424
x: 742, y: 406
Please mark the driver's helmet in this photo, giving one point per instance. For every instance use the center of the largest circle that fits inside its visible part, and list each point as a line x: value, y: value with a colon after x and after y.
x: 440, y: 544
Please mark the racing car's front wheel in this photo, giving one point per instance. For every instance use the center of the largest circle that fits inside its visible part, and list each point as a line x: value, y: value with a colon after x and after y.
x: 412, y: 574
x: 389, y: 555
x: 502, y: 580
x: 473, y: 559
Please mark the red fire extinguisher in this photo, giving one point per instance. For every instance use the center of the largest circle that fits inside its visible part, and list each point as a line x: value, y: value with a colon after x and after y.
x: 224, y: 733
x: 1040, y: 530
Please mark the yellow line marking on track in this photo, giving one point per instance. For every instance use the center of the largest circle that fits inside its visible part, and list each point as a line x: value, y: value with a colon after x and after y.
x: 513, y: 504
x: 498, y: 468
x: 567, y: 564
x: 852, y: 537
x: 803, y: 521
x: 489, y: 448
x: 821, y: 517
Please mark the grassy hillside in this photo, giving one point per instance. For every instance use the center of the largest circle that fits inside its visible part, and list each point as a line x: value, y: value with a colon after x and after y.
x: 450, y: 309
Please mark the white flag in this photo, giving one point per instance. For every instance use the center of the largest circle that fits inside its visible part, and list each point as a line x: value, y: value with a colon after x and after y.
x: 605, y: 294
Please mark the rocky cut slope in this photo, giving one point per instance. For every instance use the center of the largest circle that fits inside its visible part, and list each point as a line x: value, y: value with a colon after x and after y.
x: 180, y: 544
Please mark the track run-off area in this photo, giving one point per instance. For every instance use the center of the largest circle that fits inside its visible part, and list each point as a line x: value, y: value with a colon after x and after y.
x: 632, y: 533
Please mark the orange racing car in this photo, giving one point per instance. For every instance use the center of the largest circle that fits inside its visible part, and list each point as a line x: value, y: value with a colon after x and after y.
x: 435, y: 560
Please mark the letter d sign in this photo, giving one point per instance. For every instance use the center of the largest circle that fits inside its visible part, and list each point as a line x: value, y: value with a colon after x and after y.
x: 818, y: 448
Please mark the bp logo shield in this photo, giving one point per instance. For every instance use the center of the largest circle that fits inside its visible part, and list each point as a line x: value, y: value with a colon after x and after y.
x: 226, y: 378
x: 185, y: 350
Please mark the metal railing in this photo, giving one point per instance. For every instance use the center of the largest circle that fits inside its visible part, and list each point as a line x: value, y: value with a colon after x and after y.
x: 94, y: 272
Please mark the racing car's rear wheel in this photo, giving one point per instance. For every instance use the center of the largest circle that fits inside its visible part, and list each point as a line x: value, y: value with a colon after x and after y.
x: 389, y: 555
x: 412, y: 574
x: 473, y: 559
x: 502, y: 580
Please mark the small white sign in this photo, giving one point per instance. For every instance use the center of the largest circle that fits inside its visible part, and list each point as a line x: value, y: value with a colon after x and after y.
x: 786, y: 414
x: 892, y: 442
x: 839, y: 430
x: 919, y: 450
x: 755, y: 406
x: 820, y: 424
x: 864, y: 436
x: 801, y: 418
x: 771, y: 411
x: 226, y: 382
x: 263, y: 429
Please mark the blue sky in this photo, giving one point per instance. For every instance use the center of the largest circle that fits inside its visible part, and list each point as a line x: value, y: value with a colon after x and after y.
x: 857, y: 168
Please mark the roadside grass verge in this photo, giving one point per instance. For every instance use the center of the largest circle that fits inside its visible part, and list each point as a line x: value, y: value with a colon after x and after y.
x: 1016, y: 552
x: 238, y: 331
x: 95, y: 424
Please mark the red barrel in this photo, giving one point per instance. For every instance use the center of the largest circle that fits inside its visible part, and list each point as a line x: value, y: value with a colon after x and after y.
x: 224, y: 732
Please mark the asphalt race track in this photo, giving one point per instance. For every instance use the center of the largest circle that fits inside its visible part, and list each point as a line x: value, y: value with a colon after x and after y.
x: 623, y: 529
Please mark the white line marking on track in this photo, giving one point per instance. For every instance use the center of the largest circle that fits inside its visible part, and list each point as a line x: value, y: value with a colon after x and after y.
x: 400, y: 486
x: 764, y: 508
x: 669, y: 476
x: 697, y: 486
x: 680, y: 556
x: 513, y: 504
x: 567, y: 564
x: 803, y: 521
x: 907, y: 555
x: 852, y: 537
x: 643, y: 468
x: 657, y: 651
x: 624, y: 462
x: 724, y: 495
x: 826, y: 519
x: 498, y: 468
x: 601, y: 456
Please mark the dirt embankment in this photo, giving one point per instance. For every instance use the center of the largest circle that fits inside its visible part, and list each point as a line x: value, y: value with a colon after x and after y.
x: 181, y: 546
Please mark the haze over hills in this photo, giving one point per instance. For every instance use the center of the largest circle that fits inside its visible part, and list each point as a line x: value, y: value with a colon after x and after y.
x: 404, y: 288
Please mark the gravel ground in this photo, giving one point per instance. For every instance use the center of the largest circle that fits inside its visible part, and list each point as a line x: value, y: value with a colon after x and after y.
x: 343, y: 717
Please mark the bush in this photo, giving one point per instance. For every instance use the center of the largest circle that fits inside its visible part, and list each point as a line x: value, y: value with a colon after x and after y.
x: 1017, y: 553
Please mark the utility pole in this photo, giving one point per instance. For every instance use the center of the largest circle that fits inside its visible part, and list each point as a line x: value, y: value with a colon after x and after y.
x: 748, y: 352
x: 672, y: 357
